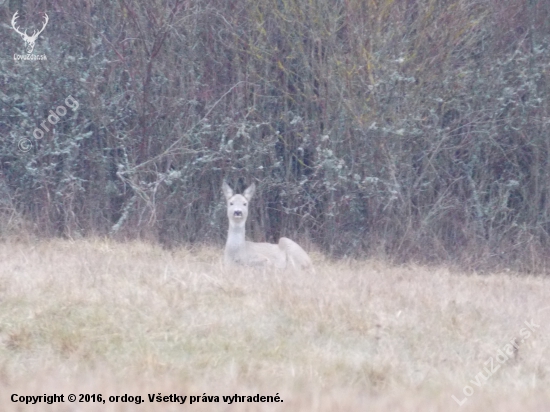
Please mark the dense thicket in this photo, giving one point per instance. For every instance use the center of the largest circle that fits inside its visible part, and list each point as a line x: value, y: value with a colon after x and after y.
x: 416, y: 130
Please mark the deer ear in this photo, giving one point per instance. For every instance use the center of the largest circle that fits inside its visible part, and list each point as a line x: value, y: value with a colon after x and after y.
x: 249, y: 192
x: 227, y: 191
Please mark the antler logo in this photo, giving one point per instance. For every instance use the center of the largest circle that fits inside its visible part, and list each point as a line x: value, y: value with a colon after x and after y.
x: 29, y: 40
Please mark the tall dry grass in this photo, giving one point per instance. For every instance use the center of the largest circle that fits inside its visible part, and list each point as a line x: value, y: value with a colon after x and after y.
x: 95, y: 316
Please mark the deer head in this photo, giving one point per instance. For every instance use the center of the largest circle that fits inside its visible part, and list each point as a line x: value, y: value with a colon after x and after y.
x: 29, y: 40
x: 237, y: 205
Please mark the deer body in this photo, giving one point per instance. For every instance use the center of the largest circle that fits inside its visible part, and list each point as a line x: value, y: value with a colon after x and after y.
x: 239, y: 251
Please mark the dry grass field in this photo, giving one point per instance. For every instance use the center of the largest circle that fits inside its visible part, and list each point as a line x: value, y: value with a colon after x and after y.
x: 99, y: 317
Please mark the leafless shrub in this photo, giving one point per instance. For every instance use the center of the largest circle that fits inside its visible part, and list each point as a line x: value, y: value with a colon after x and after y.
x: 410, y: 129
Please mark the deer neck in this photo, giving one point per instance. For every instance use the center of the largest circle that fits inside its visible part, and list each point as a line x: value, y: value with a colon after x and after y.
x: 235, y: 236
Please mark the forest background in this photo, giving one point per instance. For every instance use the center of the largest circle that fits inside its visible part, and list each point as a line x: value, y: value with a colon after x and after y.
x: 408, y: 130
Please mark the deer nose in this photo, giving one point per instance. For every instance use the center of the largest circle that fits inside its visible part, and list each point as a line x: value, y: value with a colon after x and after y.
x: 237, y: 213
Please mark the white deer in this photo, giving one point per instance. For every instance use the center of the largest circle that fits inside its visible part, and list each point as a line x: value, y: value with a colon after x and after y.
x: 285, y: 254
x: 29, y: 40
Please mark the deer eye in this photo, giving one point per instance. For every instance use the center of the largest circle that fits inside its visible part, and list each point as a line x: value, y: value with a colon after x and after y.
x: 244, y: 204
x: 230, y: 203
